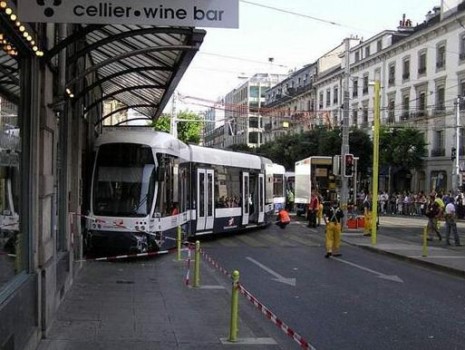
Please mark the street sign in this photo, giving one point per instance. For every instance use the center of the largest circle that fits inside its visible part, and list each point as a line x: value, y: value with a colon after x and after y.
x: 185, y: 13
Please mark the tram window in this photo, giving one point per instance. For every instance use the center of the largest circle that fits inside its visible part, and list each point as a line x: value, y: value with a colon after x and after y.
x: 227, y: 187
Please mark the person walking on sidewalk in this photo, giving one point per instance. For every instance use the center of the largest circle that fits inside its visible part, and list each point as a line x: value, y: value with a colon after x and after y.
x: 433, y: 212
x: 451, y: 221
x: 332, y: 217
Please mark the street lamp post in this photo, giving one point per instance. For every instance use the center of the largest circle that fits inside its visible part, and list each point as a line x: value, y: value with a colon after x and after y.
x: 456, y: 179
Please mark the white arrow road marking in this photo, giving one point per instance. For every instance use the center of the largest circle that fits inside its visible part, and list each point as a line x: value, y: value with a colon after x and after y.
x: 392, y: 278
x: 278, y: 277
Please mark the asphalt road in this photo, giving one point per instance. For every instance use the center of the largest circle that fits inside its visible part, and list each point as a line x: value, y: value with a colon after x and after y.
x: 361, y: 300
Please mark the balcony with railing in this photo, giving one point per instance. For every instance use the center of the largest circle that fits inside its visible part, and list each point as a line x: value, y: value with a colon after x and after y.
x: 438, y: 152
x: 440, y: 64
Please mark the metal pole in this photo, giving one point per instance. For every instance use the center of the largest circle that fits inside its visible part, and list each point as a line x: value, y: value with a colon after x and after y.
x: 457, y: 147
x: 345, y: 131
x: 375, y: 172
x: 234, y: 307
x: 173, y: 125
x: 197, y: 264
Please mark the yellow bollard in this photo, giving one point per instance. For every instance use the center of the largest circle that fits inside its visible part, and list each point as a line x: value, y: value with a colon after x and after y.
x: 425, y: 241
x: 197, y: 264
x: 234, y: 307
x: 178, y: 242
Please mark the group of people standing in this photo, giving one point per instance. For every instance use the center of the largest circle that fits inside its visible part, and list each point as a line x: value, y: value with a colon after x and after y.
x: 435, y: 207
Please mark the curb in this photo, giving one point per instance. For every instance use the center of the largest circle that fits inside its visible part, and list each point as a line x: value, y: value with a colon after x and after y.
x: 442, y: 268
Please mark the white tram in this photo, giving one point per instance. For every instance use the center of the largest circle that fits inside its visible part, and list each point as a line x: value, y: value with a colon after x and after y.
x: 146, y: 183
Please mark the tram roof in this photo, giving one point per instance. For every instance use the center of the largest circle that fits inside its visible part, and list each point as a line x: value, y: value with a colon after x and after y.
x: 138, y: 66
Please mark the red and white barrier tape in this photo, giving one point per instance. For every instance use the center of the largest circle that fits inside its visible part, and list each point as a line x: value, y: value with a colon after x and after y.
x: 214, y: 263
x: 291, y: 333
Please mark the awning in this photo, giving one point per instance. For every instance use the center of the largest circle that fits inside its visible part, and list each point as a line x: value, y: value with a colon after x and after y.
x: 139, y: 66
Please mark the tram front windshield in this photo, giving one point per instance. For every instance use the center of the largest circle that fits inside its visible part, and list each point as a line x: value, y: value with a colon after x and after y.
x: 124, y: 180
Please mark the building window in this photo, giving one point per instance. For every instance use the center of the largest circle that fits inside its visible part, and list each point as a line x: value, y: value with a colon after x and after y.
x: 379, y: 45
x: 422, y: 63
x: 320, y: 101
x: 365, y: 117
x: 367, y: 51
x: 439, y: 181
x: 335, y: 95
x: 438, y: 144
x: 440, y: 99
x: 328, y: 97
x: 406, y: 69
x: 355, y: 117
x: 357, y: 56
x: 405, y: 107
x: 355, y: 88
x: 421, y: 104
x: 392, y: 75
x: 391, y: 110
x: 441, y: 56
x: 365, y: 84
x: 462, y: 48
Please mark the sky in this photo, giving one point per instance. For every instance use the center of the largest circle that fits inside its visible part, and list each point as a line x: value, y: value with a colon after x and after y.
x: 226, y: 56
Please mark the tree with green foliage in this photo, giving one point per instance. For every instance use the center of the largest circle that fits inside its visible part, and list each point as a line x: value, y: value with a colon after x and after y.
x: 241, y: 147
x: 288, y: 149
x: 402, y: 147
x: 189, y: 126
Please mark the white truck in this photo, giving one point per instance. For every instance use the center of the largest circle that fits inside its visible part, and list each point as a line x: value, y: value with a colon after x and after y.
x: 314, y: 172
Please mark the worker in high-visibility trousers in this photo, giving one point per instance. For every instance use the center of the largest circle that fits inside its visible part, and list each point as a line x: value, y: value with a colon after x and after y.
x: 367, y: 215
x: 333, y: 216
x: 320, y: 213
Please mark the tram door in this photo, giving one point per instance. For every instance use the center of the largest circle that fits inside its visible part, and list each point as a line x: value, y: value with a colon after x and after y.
x: 261, y: 198
x: 245, y: 198
x: 205, y: 195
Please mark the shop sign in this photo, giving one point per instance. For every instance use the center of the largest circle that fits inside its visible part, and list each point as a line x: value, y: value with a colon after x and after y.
x: 185, y: 13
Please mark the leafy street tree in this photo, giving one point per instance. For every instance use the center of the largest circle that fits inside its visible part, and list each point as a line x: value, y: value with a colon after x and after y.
x: 402, y: 147
x: 189, y: 128
x: 400, y: 150
x: 241, y: 147
x: 288, y: 149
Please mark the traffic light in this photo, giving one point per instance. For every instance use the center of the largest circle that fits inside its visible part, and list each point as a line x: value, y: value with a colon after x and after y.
x: 349, y: 165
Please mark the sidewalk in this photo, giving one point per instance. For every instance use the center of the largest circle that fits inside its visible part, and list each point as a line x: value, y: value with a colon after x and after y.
x: 145, y: 304
x: 410, y: 247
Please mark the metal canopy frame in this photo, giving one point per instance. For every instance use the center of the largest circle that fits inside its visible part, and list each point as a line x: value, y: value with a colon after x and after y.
x: 139, y: 66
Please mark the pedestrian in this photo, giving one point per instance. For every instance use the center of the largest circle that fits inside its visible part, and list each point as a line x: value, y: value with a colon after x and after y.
x: 290, y: 199
x: 433, y: 212
x: 283, y: 218
x: 332, y: 217
x: 451, y: 221
x: 367, y: 215
x: 312, y: 209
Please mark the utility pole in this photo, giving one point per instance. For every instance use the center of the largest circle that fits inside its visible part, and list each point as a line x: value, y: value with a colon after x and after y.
x: 345, y: 130
x: 375, y: 172
x: 456, y: 179
x: 173, y: 121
